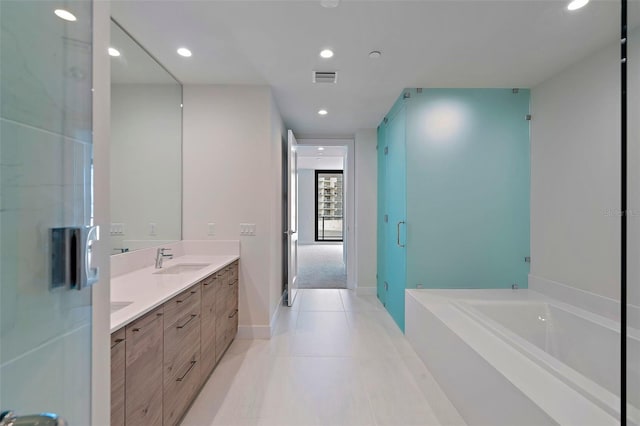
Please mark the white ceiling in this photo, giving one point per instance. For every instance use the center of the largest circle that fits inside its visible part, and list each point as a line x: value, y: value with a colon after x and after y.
x: 429, y: 43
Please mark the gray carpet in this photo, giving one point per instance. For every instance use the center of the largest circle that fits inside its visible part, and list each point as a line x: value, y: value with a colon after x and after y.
x: 321, y: 266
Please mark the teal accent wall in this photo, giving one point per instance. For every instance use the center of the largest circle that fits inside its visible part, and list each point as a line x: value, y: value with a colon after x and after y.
x: 463, y: 186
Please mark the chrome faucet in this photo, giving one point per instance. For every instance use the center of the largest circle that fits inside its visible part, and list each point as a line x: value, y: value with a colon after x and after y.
x: 160, y: 255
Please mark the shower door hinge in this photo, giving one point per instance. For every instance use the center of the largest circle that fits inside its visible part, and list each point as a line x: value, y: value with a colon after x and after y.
x: 385, y: 120
x: 386, y: 218
x: 386, y: 286
x: 386, y: 150
x: 419, y: 90
x: 406, y: 95
x: 527, y: 259
x: 527, y: 117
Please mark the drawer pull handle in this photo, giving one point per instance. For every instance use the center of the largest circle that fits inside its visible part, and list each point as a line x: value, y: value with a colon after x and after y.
x: 116, y: 343
x: 135, y: 330
x: 233, y: 314
x: 188, y: 295
x: 193, y: 363
x: 188, y: 321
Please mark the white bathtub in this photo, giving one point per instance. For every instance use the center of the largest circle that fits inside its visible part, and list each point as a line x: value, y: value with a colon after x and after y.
x: 512, y: 358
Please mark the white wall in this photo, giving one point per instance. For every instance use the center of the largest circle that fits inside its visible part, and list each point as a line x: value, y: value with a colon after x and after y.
x: 231, y: 150
x: 146, y: 135
x: 366, y: 177
x: 575, y: 169
x: 278, y: 142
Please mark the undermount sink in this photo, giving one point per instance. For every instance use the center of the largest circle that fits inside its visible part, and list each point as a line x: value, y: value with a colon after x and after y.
x: 116, y: 306
x: 182, y: 268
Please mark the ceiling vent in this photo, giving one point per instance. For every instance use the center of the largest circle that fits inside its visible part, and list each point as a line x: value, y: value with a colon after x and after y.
x: 325, y: 77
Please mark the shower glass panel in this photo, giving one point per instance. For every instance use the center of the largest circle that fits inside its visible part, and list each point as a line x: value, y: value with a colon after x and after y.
x: 468, y: 188
x: 45, y: 182
x: 381, y: 253
x: 391, y: 217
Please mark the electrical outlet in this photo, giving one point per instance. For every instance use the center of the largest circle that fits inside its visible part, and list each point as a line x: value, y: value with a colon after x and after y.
x: 211, y: 229
x: 153, y: 229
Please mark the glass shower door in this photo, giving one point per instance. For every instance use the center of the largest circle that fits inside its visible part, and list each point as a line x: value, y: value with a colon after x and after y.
x: 395, y: 184
x: 45, y: 183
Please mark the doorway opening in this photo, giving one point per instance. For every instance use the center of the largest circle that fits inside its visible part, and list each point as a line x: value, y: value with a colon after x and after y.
x: 322, y: 228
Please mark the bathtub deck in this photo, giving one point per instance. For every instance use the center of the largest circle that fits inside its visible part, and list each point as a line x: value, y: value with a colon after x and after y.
x: 495, y: 384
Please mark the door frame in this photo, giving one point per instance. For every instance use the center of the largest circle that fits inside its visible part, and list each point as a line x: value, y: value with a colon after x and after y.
x: 349, y: 235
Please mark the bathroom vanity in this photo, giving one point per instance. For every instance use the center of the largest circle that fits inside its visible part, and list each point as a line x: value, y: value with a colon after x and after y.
x: 168, y: 336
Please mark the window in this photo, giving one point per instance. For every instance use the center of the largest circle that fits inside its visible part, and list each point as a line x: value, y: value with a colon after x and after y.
x: 329, y: 205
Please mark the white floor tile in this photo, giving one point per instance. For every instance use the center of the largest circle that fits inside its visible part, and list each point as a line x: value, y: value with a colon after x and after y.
x: 321, y: 300
x: 324, y: 366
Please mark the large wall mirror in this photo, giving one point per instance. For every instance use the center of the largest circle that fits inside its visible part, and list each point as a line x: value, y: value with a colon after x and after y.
x: 146, y: 148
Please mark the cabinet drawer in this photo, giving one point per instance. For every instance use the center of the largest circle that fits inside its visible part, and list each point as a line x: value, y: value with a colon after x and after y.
x: 143, y: 370
x: 144, y: 335
x: 182, y: 304
x: 118, y: 359
x: 233, y: 271
x: 232, y: 296
x: 209, y: 290
x: 180, y: 342
x: 180, y: 391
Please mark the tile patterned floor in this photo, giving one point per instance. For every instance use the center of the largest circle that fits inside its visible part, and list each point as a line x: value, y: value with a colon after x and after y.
x: 335, y: 359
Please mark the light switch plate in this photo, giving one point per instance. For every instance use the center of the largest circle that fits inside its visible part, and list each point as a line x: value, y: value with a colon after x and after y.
x: 248, y: 229
x: 117, y: 228
x: 211, y: 229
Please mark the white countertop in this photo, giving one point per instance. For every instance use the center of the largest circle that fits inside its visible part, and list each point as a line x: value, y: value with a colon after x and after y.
x: 147, y: 290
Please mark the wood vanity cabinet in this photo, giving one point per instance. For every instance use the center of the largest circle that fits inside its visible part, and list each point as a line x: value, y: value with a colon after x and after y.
x: 143, y: 370
x: 118, y: 357
x: 227, y: 309
x: 208, y: 358
x: 161, y: 360
x: 181, y: 353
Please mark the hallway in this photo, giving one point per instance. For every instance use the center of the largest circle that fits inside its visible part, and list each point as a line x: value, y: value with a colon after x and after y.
x: 321, y: 266
x: 335, y: 359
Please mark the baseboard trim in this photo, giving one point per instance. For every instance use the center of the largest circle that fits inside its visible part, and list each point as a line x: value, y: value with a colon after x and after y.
x: 250, y: 332
x: 276, y: 314
x: 366, y: 291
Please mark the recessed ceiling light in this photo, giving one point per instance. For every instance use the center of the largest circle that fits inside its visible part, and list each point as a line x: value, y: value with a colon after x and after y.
x: 114, y: 52
x: 323, y: 112
x: 577, y: 4
x: 326, y: 53
x: 329, y: 3
x: 320, y: 148
x: 375, y: 54
x: 183, y: 51
x: 65, y: 14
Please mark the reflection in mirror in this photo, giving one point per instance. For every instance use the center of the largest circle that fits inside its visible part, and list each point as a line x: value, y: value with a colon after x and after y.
x: 146, y: 148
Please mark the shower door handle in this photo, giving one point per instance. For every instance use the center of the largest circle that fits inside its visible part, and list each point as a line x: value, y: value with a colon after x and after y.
x: 398, y: 233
